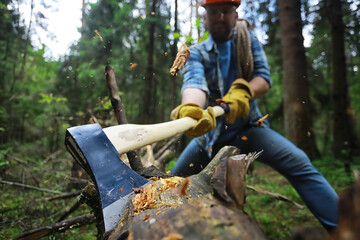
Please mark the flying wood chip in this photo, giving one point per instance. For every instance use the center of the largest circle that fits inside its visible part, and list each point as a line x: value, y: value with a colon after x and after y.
x: 181, y: 57
x: 261, y: 120
x: 98, y: 34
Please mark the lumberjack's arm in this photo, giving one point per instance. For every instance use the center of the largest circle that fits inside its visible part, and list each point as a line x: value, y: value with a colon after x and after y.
x: 259, y: 86
x: 194, y: 95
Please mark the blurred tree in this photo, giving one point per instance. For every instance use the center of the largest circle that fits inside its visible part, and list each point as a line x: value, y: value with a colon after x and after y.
x: 344, y: 139
x: 148, y: 104
x: 298, y: 122
x: 265, y: 17
x: 174, y: 87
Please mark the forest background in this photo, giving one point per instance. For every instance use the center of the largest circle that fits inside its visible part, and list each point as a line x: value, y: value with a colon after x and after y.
x: 314, y: 100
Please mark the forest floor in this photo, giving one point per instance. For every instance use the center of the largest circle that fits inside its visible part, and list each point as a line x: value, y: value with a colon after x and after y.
x: 22, y: 209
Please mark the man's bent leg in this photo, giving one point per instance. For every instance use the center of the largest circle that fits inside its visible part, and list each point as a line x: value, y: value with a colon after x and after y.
x: 191, y: 161
x: 294, y: 164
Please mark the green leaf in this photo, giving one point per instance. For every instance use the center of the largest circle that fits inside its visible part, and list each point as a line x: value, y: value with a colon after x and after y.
x: 176, y: 35
x: 197, y: 23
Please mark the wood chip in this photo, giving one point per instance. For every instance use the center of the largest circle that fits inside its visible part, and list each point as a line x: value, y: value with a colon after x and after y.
x: 98, y: 34
x: 181, y: 58
x: 146, y: 197
x: 173, y: 236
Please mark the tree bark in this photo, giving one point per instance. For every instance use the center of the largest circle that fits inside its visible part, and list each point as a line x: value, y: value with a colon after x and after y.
x: 343, y: 129
x: 190, y: 210
x: 26, y: 45
x: 298, y: 123
x: 149, y: 75
x: 174, y: 52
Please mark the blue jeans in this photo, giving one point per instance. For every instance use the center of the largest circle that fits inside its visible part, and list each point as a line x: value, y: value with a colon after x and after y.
x: 283, y: 156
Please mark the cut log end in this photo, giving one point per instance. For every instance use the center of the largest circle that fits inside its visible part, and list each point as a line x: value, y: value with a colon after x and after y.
x: 187, y: 210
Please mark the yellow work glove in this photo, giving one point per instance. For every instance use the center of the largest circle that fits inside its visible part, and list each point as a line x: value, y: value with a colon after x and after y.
x: 238, y: 99
x: 205, y: 118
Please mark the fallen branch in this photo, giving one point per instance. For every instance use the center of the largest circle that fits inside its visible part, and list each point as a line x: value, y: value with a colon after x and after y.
x: 57, y: 227
x: 274, y: 195
x: 164, y: 159
x: 52, y: 156
x: 69, y: 211
x: 18, y: 160
x: 167, y: 145
x: 64, y: 195
x: 28, y: 186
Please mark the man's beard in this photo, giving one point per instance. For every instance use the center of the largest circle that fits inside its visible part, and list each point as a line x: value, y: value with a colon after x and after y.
x: 221, y: 32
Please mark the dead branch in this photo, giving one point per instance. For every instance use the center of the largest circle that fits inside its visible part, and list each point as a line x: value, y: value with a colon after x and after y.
x: 52, y: 156
x: 148, y: 159
x: 17, y: 159
x: 163, y: 159
x: 69, y: 211
x: 64, y: 196
x: 134, y: 159
x: 274, y: 195
x: 57, y: 227
x: 172, y: 141
x: 28, y: 186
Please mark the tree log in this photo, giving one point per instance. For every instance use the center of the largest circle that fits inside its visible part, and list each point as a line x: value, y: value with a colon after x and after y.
x: 186, y: 208
x: 349, y: 213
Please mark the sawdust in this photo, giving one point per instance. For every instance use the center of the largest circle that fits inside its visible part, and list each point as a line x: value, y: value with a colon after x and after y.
x: 146, y: 196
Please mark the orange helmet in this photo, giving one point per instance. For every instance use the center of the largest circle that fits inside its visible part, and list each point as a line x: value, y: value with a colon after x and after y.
x: 207, y: 2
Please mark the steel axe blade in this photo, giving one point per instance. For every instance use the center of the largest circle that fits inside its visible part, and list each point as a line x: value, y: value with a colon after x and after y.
x: 114, y: 180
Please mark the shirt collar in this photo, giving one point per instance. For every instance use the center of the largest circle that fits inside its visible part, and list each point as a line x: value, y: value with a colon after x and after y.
x: 210, y: 43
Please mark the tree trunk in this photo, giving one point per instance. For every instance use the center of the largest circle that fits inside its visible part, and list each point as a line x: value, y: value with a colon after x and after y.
x: 26, y: 45
x: 149, y: 75
x: 298, y: 123
x: 190, y: 210
x: 343, y: 128
x: 174, y: 52
x: 197, y: 5
x: 83, y: 23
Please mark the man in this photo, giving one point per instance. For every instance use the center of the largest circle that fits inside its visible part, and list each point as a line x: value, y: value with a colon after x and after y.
x: 212, y: 74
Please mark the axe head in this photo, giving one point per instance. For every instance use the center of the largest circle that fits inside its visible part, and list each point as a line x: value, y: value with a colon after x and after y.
x: 113, y: 179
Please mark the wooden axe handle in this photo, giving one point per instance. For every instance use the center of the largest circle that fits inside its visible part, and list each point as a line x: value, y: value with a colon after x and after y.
x: 128, y: 137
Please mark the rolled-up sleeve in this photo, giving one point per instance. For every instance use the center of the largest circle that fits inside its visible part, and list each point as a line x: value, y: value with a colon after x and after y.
x: 194, y: 73
x: 261, y: 67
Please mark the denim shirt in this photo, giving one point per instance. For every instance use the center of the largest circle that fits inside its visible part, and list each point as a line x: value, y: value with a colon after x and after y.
x: 203, y: 71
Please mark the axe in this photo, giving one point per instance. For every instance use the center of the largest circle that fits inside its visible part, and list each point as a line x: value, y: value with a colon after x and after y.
x: 97, y: 151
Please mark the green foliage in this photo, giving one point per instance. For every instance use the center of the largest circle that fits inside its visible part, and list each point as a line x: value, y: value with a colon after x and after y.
x: 198, y: 23
x: 204, y: 37
x: 41, y: 98
x: 176, y: 35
